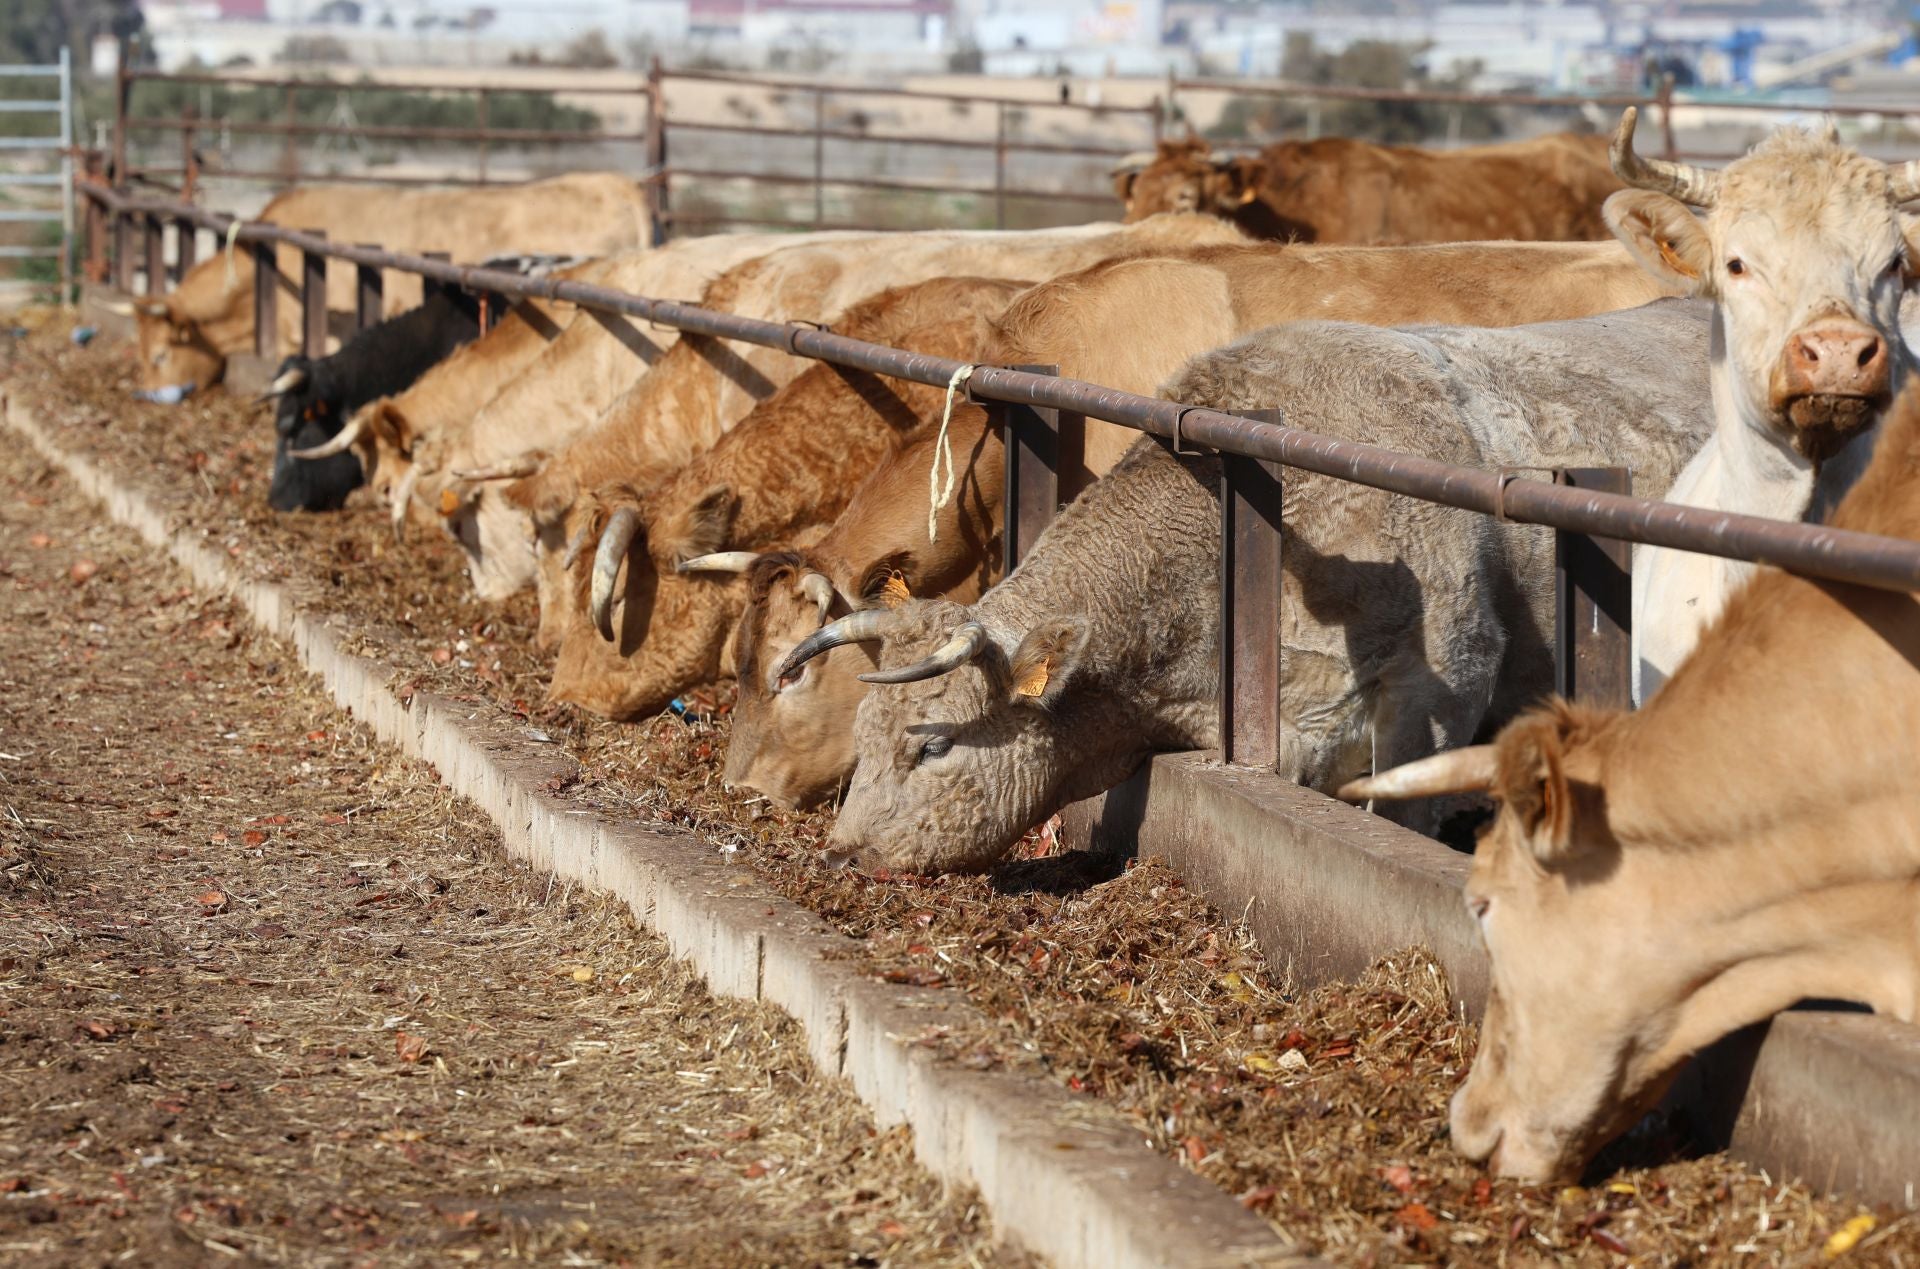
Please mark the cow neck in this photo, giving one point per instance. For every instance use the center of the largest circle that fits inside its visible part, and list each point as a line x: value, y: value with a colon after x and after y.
x: 1759, y: 472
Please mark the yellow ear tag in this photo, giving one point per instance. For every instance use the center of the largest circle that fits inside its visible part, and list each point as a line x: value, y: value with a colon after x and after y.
x: 449, y: 502
x: 1248, y: 195
x: 895, y: 592
x: 1673, y: 261
x: 1034, y: 681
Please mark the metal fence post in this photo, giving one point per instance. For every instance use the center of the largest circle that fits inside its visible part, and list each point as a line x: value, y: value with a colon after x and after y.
x: 96, y: 270
x: 186, y: 247
x: 189, y: 155
x: 266, y: 300
x: 659, y: 209
x: 1593, y: 603
x: 153, y: 232
x: 122, y: 97
x: 369, y: 292
x: 1250, y: 582
x: 313, y: 301
x: 289, y: 153
x: 430, y: 287
x: 819, y: 155
x: 1031, y: 437
x: 1000, y: 165
x: 1666, y: 116
x: 480, y: 121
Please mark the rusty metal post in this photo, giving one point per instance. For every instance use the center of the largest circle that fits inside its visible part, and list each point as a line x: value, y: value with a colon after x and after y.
x: 1159, y: 121
x: 153, y: 233
x: 96, y: 241
x: 189, y: 155
x: 1593, y: 603
x: 659, y: 208
x: 122, y: 99
x: 186, y: 247
x: 1250, y: 581
x: 123, y: 251
x: 819, y: 155
x: 313, y: 301
x: 369, y: 292
x: 430, y: 287
x: 480, y: 122
x: 1666, y: 116
x: 289, y: 153
x: 1000, y: 165
x: 1031, y: 436
x: 266, y: 300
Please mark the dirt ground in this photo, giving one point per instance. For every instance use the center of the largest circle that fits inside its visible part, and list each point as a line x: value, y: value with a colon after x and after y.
x: 1323, y: 1110
x: 268, y: 993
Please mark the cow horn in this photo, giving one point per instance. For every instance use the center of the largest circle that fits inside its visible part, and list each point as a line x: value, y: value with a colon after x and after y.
x: 615, y: 541
x: 718, y: 562
x: 403, y: 501
x: 861, y: 626
x: 511, y: 469
x: 816, y: 587
x: 1905, y: 180
x: 119, y: 308
x: 292, y: 381
x: 1469, y: 770
x: 1138, y: 161
x: 338, y: 443
x: 575, y: 545
x: 152, y: 308
x: 965, y: 645
x: 1696, y: 186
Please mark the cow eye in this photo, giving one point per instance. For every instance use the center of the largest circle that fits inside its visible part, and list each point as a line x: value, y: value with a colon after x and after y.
x: 789, y: 679
x: 1898, y: 262
x: 1735, y: 267
x: 934, y: 747
x: 1478, y: 905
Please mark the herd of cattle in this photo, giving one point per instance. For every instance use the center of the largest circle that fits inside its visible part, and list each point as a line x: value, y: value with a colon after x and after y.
x: 688, y: 508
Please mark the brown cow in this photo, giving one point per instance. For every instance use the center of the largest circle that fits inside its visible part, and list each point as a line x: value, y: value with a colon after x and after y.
x: 1340, y: 190
x: 1655, y: 880
x: 784, y: 474
x: 186, y: 337
x: 792, y: 737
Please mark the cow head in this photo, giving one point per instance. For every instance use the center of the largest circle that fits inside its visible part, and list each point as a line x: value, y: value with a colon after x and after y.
x: 977, y: 735
x: 793, y: 730
x: 304, y: 419
x: 662, y: 595
x: 1184, y: 176
x: 1803, y: 250
x: 175, y: 350
x: 1610, y: 962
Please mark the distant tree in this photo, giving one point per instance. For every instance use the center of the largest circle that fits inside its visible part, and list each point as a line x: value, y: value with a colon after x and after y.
x: 589, y: 52
x: 35, y: 30
x: 966, y: 58
x: 1362, y: 64
x: 314, y: 50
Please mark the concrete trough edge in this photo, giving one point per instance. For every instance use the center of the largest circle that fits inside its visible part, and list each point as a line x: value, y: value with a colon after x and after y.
x: 1825, y: 1095
x: 1064, y: 1177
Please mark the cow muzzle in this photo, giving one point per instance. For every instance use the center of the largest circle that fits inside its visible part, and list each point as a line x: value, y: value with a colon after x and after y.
x: 1835, y: 377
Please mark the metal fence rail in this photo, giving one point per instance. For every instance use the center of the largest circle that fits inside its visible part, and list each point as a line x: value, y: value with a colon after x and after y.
x: 60, y: 148
x: 1037, y: 409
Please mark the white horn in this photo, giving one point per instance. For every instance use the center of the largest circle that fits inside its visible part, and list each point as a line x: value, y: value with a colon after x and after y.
x: 575, y: 545
x: 718, y: 562
x: 1139, y: 160
x: 816, y: 587
x: 292, y: 381
x: 615, y: 541
x: 511, y: 469
x: 861, y: 626
x: 967, y: 642
x: 339, y: 443
x: 403, y: 501
x: 1469, y: 770
x: 152, y: 308
x: 119, y: 308
x: 1697, y: 186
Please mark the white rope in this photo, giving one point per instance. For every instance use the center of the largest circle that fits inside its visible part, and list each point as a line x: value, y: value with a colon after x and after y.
x: 233, y: 275
x: 939, y: 496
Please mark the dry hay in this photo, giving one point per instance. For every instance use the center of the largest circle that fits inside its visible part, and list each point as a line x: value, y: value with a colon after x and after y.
x: 1324, y: 1110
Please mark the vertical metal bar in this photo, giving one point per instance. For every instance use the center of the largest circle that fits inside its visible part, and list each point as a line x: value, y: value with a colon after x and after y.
x: 122, y: 96
x: 369, y: 298
x: 1593, y: 604
x: 186, y: 247
x: 189, y: 156
x: 659, y: 203
x: 123, y: 251
x: 1250, y: 582
x: 488, y: 301
x: 430, y: 287
x: 1666, y: 116
x: 153, y: 234
x: 1000, y: 166
x: 1158, y: 109
x: 266, y: 301
x: 1032, y: 440
x: 313, y: 301
x: 480, y: 121
x: 289, y: 154
x: 96, y: 271
x: 819, y: 155
x: 69, y: 294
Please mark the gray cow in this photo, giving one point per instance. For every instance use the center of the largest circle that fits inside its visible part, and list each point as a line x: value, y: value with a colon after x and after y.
x: 1406, y: 627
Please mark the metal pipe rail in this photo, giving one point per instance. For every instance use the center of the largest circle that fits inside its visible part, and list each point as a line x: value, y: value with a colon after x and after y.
x: 1814, y: 550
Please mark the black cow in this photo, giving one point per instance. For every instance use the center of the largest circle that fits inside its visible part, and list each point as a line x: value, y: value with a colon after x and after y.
x: 315, y: 398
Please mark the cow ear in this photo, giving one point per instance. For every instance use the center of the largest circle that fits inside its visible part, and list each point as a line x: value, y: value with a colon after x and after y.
x: 1123, y: 185
x: 1664, y: 236
x: 703, y: 527
x: 1910, y: 230
x: 1244, y: 179
x: 889, y: 580
x: 1046, y: 659
x: 1531, y: 782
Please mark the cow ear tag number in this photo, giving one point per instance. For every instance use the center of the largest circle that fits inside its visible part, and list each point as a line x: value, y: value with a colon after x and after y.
x: 1033, y: 681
